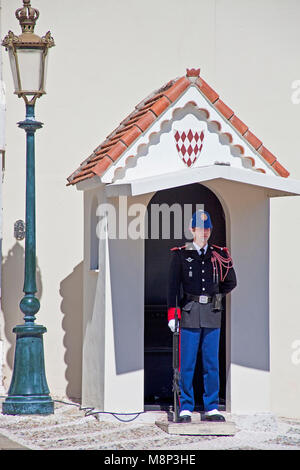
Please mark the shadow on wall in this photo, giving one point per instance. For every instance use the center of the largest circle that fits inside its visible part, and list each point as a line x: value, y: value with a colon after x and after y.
x: 72, y: 307
x: 12, y: 293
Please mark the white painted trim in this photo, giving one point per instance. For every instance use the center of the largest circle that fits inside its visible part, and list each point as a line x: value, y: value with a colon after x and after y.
x: 277, y: 185
x: 157, y: 141
x: 89, y: 183
x: 189, y: 104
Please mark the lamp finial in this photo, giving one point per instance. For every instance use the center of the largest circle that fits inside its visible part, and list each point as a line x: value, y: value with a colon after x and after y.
x: 27, y: 17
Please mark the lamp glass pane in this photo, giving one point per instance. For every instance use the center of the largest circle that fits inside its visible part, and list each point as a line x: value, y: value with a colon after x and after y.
x: 31, y: 68
x: 45, y: 69
x: 13, y: 67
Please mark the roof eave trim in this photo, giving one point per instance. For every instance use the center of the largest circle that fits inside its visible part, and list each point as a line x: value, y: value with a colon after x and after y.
x: 146, y: 185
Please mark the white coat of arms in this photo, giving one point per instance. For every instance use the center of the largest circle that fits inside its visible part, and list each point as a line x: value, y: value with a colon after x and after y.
x: 189, y: 145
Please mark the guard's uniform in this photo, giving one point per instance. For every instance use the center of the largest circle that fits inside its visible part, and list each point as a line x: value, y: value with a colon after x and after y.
x: 193, y: 280
x: 198, y: 275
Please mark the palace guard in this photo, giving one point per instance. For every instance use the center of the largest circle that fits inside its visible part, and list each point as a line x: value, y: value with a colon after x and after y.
x: 200, y: 275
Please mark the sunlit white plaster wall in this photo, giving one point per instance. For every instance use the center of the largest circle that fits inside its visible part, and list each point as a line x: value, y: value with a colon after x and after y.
x: 247, y: 51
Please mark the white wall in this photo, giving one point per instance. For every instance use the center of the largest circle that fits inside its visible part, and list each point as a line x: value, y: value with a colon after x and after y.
x: 113, y: 324
x: 2, y: 153
x: 108, y: 57
x: 247, y: 319
x: 2, y: 92
x: 93, y: 353
x: 114, y: 319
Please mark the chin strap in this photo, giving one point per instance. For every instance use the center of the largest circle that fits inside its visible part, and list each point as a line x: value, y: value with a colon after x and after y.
x: 222, y: 262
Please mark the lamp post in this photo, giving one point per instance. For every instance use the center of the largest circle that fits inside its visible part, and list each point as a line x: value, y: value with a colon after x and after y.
x: 28, y: 392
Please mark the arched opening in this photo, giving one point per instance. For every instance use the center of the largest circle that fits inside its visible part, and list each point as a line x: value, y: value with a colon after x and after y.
x: 157, y: 336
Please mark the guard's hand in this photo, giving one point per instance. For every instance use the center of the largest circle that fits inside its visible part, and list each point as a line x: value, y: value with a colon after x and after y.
x: 171, y: 325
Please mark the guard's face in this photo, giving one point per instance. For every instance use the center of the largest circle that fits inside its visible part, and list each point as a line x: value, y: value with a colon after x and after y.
x: 201, y: 235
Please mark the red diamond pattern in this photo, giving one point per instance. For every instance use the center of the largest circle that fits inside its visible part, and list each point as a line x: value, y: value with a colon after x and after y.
x: 190, y: 135
x: 188, y: 145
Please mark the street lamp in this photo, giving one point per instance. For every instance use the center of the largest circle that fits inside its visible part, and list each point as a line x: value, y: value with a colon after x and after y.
x: 28, y: 392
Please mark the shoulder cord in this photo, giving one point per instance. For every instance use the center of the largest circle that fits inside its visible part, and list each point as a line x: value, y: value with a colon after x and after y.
x: 225, y: 262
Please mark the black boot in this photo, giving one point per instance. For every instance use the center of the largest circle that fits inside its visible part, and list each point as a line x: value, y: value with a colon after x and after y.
x: 215, y: 416
x: 185, y: 419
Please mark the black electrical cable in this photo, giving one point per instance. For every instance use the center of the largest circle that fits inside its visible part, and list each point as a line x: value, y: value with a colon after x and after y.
x: 90, y: 412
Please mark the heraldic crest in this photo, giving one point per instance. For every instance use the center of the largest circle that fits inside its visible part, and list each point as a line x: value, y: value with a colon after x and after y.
x: 189, y: 145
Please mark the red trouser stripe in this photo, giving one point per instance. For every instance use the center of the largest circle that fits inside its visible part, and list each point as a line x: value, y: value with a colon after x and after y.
x: 179, y: 353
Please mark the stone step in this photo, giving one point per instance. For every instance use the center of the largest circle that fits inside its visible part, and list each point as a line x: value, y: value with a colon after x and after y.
x: 201, y: 428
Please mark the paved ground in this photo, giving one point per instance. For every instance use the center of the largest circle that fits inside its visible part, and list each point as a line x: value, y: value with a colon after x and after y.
x: 71, y: 428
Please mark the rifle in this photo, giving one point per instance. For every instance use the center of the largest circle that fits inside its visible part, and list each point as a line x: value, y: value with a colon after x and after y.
x: 176, y: 374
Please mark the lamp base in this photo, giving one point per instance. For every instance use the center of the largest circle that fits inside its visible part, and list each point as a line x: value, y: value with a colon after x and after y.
x: 28, y: 406
x: 28, y: 392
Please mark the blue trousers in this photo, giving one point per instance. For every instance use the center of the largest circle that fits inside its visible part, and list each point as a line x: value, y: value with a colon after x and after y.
x: 190, y: 341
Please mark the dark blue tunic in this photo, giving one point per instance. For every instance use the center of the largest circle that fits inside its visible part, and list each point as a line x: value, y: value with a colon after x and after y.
x: 191, y: 273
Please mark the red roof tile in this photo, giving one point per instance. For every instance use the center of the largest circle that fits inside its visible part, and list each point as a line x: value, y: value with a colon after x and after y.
x: 224, y: 109
x: 280, y: 169
x: 148, y: 110
x: 179, y: 87
x: 207, y: 90
x: 238, y: 124
x: 252, y: 139
x: 267, y: 155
